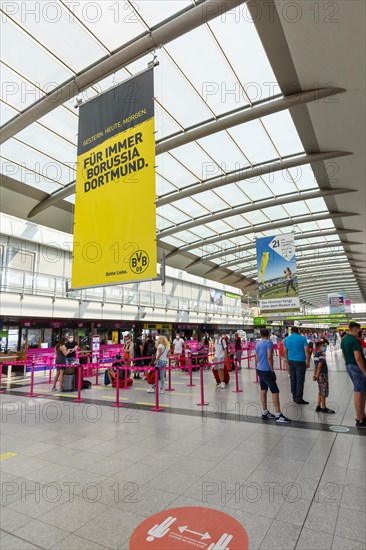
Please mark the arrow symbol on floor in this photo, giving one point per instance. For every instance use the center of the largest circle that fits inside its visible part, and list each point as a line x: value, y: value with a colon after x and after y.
x: 203, y: 536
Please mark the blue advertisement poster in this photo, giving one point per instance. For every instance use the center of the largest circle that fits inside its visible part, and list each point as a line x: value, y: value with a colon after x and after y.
x: 277, y: 275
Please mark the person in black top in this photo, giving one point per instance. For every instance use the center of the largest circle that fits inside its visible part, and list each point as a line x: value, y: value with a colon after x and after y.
x: 149, y: 350
x: 71, y: 347
x: 321, y: 376
x: 137, y: 352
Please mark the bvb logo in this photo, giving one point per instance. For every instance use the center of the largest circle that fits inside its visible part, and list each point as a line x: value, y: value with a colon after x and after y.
x: 139, y: 261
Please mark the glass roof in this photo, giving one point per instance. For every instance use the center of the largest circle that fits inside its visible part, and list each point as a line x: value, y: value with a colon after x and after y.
x: 216, y: 68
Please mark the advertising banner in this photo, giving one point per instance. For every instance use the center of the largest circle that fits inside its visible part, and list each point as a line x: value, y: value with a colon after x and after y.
x: 216, y: 297
x: 277, y: 277
x: 336, y: 302
x: 115, y: 214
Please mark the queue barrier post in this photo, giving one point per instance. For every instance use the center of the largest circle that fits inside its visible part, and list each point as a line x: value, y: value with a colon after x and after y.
x: 1, y: 375
x: 256, y: 381
x: 156, y: 408
x: 248, y: 358
x: 80, y: 376
x: 97, y: 375
x: 31, y: 393
x: 202, y: 402
x: 237, y: 390
x: 190, y: 385
x: 117, y: 403
x: 169, y: 388
x: 52, y: 364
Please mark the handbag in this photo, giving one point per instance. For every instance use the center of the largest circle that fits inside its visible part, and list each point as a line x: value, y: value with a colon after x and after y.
x: 151, y: 377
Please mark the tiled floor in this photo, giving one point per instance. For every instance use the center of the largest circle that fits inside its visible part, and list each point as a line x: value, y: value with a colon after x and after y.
x: 83, y: 476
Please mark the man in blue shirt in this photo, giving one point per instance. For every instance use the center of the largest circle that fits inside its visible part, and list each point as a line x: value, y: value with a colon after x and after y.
x: 267, y: 378
x: 297, y: 355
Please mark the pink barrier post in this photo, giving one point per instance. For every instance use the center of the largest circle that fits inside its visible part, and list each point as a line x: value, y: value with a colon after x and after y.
x: 97, y: 375
x: 280, y: 362
x: 50, y: 373
x: 157, y: 408
x: 1, y: 375
x: 80, y: 375
x: 248, y: 357
x: 117, y: 403
x: 190, y: 385
x: 31, y: 393
x: 236, y: 378
x: 256, y: 377
x: 202, y: 403
x: 169, y: 388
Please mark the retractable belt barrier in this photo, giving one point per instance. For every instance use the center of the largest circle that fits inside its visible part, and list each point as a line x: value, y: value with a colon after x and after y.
x: 128, y: 364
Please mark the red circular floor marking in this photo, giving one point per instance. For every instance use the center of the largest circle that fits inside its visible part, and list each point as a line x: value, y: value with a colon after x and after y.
x: 189, y: 527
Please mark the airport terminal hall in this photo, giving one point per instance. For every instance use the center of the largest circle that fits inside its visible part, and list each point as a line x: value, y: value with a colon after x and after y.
x: 183, y: 275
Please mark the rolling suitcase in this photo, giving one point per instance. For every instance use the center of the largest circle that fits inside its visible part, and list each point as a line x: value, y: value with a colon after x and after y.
x: 68, y: 383
x: 226, y: 376
x: 122, y: 382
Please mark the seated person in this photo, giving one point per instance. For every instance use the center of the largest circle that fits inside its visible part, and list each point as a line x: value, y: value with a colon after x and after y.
x: 110, y: 373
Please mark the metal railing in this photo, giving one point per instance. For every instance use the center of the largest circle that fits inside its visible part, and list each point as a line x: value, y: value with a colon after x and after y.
x: 27, y: 283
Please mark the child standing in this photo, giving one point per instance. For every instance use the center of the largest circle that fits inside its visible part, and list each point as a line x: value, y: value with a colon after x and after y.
x: 321, y: 376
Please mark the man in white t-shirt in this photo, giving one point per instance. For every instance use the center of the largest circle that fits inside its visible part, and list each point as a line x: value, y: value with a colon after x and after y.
x: 219, y: 358
x: 178, y: 350
x: 274, y: 341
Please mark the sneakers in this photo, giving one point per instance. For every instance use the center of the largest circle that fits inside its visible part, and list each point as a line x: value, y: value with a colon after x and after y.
x: 162, y: 391
x: 282, y: 419
x: 222, y: 385
x: 151, y: 390
x: 268, y: 416
x: 325, y: 410
x: 54, y: 389
x: 361, y: 423
x: 302, y: 402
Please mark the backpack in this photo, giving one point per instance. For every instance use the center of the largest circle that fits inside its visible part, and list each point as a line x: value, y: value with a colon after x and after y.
x: 150, y: 348
x: 150, y: 379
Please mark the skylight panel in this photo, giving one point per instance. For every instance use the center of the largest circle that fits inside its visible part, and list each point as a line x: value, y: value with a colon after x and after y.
x: 25, y: 56
x: 221, y: 94
x: 281, y: 128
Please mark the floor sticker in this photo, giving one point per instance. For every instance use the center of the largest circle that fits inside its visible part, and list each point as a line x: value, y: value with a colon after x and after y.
x: 190, y: 527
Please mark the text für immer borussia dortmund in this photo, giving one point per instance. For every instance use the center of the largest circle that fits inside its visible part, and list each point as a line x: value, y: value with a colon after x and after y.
x: 119, y: 160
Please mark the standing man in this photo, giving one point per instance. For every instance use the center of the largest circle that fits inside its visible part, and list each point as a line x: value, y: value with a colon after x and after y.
x: 274, y: 341
x: 178, y: 347
x: 71, y: 346
x: 356, y: 368
x: 267, y: 378
x: 297, y: 355
x: 220, y: 357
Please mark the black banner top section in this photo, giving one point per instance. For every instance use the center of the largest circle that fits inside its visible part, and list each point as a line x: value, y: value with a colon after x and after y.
x: 116, y: 110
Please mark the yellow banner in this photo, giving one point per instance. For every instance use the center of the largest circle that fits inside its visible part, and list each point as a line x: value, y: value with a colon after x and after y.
x: 115, y: 214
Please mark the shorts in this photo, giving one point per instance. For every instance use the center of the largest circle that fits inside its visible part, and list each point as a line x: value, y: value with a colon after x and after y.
x: 267, y: 380
x: 323, y: 384
x: 221, y: 361
x: 357, y: 377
